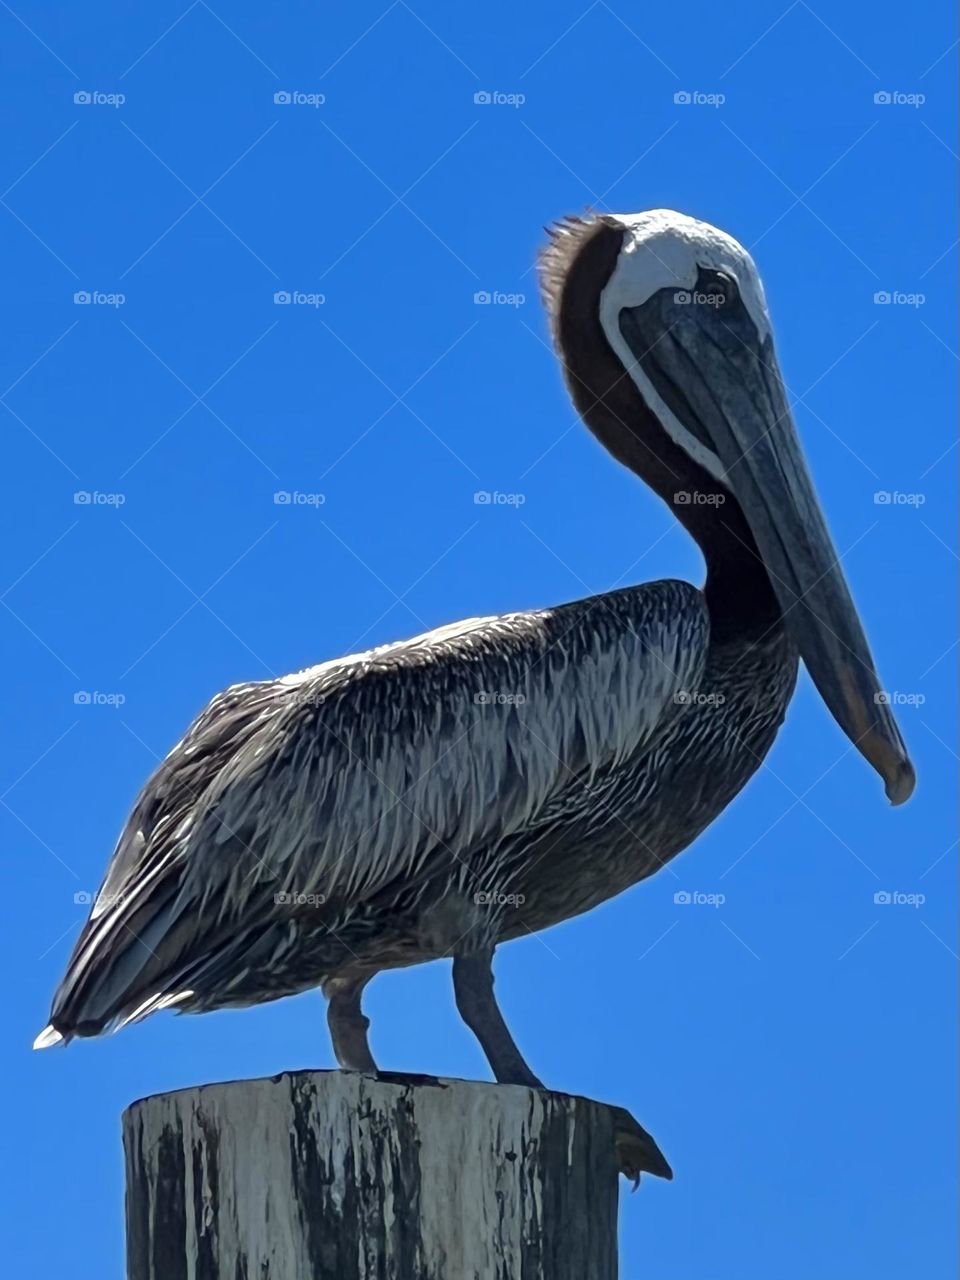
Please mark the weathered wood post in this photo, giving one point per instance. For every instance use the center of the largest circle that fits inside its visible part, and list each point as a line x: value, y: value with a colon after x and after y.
x: 333, y: 1175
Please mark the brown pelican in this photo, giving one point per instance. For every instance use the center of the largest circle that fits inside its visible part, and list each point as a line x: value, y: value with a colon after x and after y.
x: 444, y: 794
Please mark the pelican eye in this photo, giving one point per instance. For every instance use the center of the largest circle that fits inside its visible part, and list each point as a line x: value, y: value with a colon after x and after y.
x: 721, y: 289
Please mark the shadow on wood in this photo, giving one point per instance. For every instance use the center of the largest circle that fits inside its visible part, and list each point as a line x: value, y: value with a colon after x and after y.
x: 332, y: 1175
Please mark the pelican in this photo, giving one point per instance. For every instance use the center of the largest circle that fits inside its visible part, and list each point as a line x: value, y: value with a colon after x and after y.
x: 438, y: 796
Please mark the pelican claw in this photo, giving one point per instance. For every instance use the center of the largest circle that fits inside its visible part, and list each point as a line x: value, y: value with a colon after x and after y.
x: 637, y: 1152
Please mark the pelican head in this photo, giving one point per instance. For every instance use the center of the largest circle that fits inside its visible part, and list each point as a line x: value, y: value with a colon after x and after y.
x: 662, y: 326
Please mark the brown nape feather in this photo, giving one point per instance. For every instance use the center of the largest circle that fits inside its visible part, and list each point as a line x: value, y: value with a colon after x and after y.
x: 567, y: 237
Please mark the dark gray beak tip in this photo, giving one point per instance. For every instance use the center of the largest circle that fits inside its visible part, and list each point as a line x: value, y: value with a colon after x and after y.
x: 901, y: 782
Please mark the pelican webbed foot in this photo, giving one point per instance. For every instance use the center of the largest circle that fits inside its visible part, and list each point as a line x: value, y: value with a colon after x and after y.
x: 637, y: 1152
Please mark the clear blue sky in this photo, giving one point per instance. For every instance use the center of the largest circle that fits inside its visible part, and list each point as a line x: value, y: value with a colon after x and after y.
x: 792, y: 1048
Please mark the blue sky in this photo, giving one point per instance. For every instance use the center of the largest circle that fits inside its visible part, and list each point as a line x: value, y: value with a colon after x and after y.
x: 792, y: 1047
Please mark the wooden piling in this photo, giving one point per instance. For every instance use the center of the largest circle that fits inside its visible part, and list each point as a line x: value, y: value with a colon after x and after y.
x: 333, y: 1175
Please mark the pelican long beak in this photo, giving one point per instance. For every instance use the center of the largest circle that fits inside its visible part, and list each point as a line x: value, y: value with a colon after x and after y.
x: 710, y: 366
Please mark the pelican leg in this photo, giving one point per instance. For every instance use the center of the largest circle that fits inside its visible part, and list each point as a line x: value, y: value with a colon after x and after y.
x: 473, y: 988
x: 348, y: 1025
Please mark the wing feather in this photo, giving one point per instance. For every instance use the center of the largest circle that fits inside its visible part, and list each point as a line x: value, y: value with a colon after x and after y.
x: 355, y: 774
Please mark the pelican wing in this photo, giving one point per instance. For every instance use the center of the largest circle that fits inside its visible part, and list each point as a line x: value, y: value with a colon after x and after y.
x: 353, y: 775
